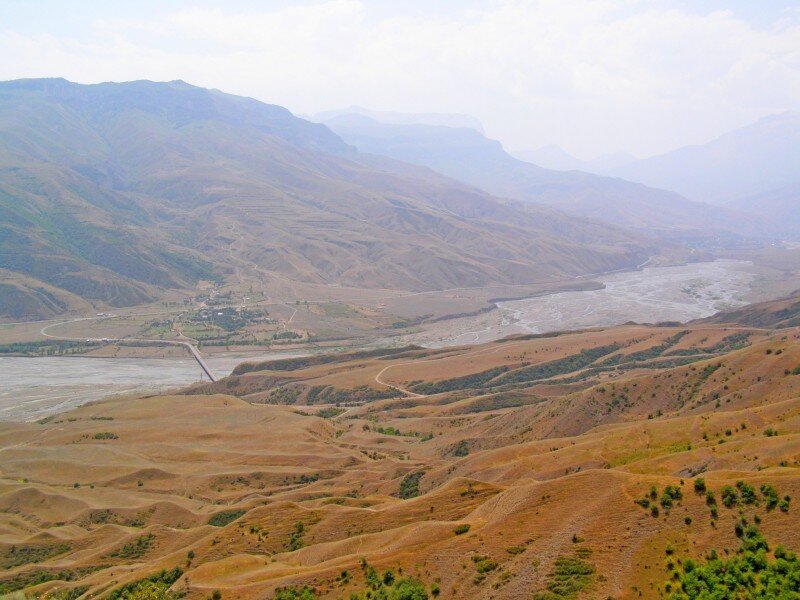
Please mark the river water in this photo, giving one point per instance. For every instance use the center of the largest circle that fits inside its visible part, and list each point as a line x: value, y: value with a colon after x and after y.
x: 650, y: 295
x: 31, y: 388
x: 34, y: 387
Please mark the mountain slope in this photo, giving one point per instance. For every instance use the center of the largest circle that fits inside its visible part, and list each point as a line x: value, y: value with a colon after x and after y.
x: 556, y: 158
x: 782, y: 206
x: 396, y: 118
x: 117, y: 192
x: 751, y: 160
x: 467, y: 155
x: 783, y: 312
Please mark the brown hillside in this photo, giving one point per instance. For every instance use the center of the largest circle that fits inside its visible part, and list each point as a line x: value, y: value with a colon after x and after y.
x: 542, y: 459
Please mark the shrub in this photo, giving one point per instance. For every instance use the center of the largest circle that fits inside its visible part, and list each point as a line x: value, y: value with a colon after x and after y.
x: 409, y: 486
x: 221, y: 519
x: 408, y: 589
x: 748, y: 574
x: 748, y: 492
x: 461, y: 529
x: 483, y: 564
x: 570, y: 576
x: 699, y: 486
x: 156, y: 587
x: 295, y: 593
x: 296, y: 539
x: 729, y: 496
x: 461, y: 448
x: 16, y: 556
x: 135, y: 549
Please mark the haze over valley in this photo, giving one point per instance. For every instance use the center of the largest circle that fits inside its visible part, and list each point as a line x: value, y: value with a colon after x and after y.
x: 399, y: 301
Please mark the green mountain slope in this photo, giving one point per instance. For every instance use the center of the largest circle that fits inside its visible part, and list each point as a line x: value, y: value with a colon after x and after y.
x: 115, y: 193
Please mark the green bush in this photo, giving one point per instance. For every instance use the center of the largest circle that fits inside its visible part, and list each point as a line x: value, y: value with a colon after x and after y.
x: 221, y: 519
x: 408, y: 589
x: 729, y: 496
x: 134, y: 549
x: 155, y: 587
x: 748, y: 574
x: 409, y: 486
x: 461, y: 449
x: 16, y: 556
x: 562, y: 366
x: 296, y: 539
x: 570, y: 576
x: 461, y: 529
x: 748, y: 492
x: 295, y: 593
x: 770, y: 496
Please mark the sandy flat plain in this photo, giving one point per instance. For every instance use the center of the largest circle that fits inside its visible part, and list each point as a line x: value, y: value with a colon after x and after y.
x: 31, y: 388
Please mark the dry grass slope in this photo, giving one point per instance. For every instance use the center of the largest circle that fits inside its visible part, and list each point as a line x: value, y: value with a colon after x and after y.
x: 584, y: 481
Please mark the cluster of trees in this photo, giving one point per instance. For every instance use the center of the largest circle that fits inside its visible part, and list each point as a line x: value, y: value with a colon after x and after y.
x: 751, y: 573
x: 377, y: 586
x: 155, y: 587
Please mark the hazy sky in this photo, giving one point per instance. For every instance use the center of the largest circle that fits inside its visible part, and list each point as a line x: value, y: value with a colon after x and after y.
x: 594, y: 76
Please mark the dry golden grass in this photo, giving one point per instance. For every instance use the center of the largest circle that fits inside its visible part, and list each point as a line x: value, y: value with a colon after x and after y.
x: 556, y: 474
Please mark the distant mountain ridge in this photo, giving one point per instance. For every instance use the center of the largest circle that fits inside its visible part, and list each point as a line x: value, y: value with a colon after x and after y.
x: 556, y: 158
x: 113, y: 194
x: 467, y: 155
x: 396, y: 118
x: 751, y: 160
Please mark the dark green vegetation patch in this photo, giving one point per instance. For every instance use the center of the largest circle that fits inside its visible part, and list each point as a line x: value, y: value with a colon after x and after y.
x: 221, y: 519
x: 751, y: 573
x: 409, y: 486
x: 570, y: 576
x: 155, y: 586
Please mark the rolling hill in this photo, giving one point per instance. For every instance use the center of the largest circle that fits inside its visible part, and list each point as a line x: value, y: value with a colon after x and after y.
x: 465, y: 154
x: 619, y: 462
x: 113, y: 194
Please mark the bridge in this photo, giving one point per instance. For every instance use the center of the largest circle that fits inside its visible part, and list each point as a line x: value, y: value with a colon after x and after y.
x: 191, y: 347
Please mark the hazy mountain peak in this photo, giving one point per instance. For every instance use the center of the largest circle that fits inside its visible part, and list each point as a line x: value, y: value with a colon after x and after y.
x: 551, y: 156
x: 397, y: 118
x: 749, y: 160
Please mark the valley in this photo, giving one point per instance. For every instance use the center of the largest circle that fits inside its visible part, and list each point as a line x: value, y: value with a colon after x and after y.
x: 652, y: 295
x: 284, y: 315
x: 38, y: 383
x: 606, y: 458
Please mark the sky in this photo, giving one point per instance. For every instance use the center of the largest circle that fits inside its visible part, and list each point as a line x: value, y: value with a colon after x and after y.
x: 595, y: 77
